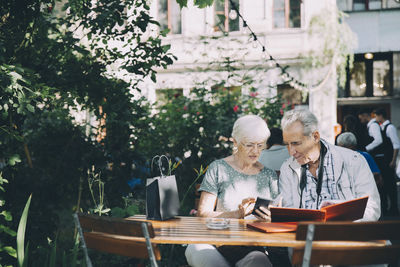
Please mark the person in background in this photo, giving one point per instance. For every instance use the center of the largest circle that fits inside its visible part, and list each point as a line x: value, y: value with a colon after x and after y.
x: 391, y: 145
x: 349, y: 140
x: 276, y: 153
x: 374, y: 148
x: 353, y: 125
x: 318, y: 173
x: 229, y: 189
x: 374, y: 131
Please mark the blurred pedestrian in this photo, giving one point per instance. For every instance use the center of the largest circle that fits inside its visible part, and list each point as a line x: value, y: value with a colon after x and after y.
x: 276, y: 153
x: 390, y: 149
x: 349, y: 140
x: 374, y: 131
x: 353, y: 125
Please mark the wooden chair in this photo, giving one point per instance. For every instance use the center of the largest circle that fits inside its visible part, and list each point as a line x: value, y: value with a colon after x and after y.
x: 197, y: 196
x: 347, y: 231
x: 98, y: 232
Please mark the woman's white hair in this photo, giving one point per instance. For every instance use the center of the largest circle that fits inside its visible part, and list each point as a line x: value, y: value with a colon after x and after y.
x: 347, y: 139
x: 304, y: 116
x: 250, y: 128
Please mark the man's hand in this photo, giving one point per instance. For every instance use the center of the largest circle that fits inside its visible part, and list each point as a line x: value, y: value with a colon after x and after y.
x: 326, y: 203
x: 392, y: 164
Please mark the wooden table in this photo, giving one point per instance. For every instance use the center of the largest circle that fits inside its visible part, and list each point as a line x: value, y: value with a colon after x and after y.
x: 193, y: 230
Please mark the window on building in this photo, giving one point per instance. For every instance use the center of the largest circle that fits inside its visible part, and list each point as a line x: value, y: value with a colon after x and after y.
x: 226, y: 18
x: 287, y: 14
x: 371, y: 75
x: 361, y: 5
x: 169, y: 16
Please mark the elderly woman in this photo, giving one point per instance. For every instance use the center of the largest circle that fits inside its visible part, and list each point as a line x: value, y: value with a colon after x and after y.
x: 229, y: 189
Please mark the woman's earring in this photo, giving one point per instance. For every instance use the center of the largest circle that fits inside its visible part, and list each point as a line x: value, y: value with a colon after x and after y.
x: 235, y: 149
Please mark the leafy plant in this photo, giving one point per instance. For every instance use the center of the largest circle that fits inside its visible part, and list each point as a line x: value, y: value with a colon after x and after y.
x: 5, y: 229
x: 96, y: 188
x: 22, y: 251
x: 338, y: 43
x: 40, y: 132
x: 199, y: 174
x: 131, y: 207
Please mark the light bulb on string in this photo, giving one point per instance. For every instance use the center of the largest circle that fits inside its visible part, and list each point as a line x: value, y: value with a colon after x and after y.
x: 264, y: 55
x: 232, y: 14
x: 245, y: 28
x: 271, y: 63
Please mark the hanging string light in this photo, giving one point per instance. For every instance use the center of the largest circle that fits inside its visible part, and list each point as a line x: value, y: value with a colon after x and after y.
x: 271, y: 61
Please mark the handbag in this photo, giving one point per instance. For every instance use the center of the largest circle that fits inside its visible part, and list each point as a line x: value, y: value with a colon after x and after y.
x: 162, y: 199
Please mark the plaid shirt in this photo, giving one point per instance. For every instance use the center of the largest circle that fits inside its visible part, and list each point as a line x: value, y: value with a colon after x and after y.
x: 328, y: 189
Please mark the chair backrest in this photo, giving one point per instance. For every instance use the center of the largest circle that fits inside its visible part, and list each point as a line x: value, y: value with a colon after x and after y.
x: 197, y: 196
x: 365, y: 252
x: 104, y: 234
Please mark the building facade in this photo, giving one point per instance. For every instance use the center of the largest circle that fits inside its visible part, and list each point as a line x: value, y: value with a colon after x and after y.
x: 280, y: 26
x: 374, y: 80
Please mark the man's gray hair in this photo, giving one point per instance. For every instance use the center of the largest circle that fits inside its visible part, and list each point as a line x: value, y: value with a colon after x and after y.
x: 250, y: 128
x: 346, y: 139
x: 304, y: 116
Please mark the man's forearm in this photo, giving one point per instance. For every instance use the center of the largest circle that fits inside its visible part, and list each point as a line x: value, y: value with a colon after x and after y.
x: 395, y: 153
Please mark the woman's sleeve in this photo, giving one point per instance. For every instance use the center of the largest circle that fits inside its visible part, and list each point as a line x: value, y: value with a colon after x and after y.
x: 210, y: 180
x: 273, y: 184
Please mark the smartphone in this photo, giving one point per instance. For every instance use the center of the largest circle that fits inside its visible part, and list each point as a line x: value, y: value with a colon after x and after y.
x: 261, y: 202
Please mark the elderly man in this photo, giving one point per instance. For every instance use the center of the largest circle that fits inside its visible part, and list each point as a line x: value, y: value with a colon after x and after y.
x: 318, y: 173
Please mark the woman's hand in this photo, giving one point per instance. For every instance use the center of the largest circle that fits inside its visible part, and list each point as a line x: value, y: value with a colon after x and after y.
x: 264, y: 214
x: 246, y: 207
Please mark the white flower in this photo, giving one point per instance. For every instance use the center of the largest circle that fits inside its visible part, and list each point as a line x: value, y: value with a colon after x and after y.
x: 201, y: 129
x: 187, y: 154
x: 199, y: 154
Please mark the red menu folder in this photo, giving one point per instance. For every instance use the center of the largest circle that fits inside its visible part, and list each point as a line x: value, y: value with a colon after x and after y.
x: 346, y: 211
x: 273, y: 227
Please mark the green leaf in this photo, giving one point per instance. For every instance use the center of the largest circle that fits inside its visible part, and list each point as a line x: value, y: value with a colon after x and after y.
x: 132, y: 210
x: 10, y: 251
x: 182, y: 3
x: 118, y: 212
x: 203, y: 3
x: 52, y: 262
x: 7, y: 230
x: 75, y: 252
x: 21, y: 234
x: 153, y: 77
x: 165, y: 48
x: 30, y: 108
x: 14, y: 159
x: 7, y: 215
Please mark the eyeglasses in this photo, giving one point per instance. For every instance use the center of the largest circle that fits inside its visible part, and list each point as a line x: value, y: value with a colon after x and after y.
x: 250, y: 146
